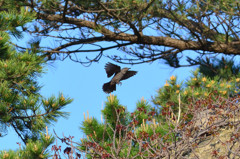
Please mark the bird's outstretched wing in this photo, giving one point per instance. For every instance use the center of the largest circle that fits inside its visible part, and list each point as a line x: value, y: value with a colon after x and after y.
x: 112, y: 69
x: 128, y: 74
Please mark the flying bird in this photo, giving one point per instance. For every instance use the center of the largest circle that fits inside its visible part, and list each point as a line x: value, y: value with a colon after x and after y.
x: 119, y: 75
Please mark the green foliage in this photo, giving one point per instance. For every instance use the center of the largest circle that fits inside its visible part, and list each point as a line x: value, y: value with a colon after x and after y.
x: 33, y: 149
x: 20, y: 102
x: 143, y: 112
x: 22, y: 107
x: 93, y: 128
x: 114, y: 112
x: 118, y: 125
x: 200, y: 25
x: 168, y: 95
x: 223, y: 68
x: 157, y: 126
x: 220, y: 78
x: 9, y: 21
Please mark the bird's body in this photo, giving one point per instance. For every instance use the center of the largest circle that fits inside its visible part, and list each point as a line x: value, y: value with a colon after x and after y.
x: 119, y: 75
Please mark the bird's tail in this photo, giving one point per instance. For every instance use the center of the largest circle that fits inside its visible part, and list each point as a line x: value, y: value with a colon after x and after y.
x: 108, y: 88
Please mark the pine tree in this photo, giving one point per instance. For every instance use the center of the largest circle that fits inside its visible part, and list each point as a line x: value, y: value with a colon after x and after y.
x: 144, y: 31
x: 155, y: 131
x: 22, y: 107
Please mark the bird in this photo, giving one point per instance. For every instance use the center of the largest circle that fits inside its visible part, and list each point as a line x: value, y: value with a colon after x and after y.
x: 119, y: 75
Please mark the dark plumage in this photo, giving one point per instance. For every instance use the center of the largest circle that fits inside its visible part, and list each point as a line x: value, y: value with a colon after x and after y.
x: 119, y: 75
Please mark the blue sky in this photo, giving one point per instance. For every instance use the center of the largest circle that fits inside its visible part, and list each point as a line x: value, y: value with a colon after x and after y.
x: 84, y: 85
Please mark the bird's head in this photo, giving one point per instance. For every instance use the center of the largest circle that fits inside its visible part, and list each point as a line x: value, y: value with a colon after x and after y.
x: 125, y: 69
